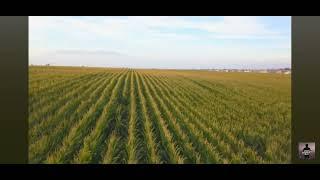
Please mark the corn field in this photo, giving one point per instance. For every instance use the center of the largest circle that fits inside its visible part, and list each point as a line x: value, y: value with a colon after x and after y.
x: 135, y: 116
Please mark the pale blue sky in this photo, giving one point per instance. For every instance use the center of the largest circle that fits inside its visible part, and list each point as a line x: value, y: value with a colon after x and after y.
x: 161, y: 42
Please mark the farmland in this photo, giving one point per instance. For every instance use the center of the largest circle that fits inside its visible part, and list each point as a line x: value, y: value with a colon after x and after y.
x: 129, y: 116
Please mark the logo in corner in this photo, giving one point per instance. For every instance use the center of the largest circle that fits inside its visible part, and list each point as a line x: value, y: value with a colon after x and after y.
x: 307, y: 150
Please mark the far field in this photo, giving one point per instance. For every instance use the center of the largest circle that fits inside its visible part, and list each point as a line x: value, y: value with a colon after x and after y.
x: 101, y: 115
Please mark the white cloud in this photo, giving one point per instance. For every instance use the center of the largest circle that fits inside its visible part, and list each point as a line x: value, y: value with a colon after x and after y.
x: 114, y: 27
x: 230, y: 27
x: 88, y: 52
x: 158, y: 41
x: 238, y: 25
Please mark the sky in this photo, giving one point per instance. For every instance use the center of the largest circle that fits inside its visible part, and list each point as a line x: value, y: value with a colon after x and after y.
x: 175, y: 42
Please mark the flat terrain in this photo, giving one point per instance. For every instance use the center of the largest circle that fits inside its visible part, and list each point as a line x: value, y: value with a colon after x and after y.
x: 101, y: 115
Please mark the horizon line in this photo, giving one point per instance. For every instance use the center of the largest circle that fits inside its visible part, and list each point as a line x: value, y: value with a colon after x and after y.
x: 125, y: 67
